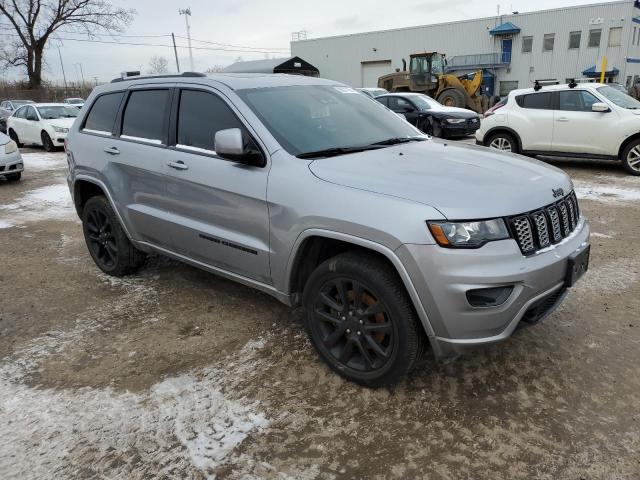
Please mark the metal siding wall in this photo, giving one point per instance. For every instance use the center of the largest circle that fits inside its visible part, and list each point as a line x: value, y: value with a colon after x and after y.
x: 339, y: 58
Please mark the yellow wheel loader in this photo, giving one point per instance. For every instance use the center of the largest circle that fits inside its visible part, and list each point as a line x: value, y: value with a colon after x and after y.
x: 426, y: 75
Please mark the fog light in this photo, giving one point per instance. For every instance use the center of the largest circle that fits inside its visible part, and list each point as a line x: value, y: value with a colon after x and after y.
x: 488, y: 297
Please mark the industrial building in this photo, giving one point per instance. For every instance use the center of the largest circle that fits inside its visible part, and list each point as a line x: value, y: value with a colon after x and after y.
x: 513, y: 50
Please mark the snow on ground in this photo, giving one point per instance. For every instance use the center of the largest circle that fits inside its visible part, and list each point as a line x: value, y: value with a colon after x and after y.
x: 44, y: 161
x: 181, y: 425
x: 46, y: 203
x: 608, y: 193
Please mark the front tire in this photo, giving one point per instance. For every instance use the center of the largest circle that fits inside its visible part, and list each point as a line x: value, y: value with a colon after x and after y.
x: 631, y: 158
x: 47, y: 143
x: 106, y: 240
x: 504, y: 142
x: 361, y: 320
x: 14, y: 136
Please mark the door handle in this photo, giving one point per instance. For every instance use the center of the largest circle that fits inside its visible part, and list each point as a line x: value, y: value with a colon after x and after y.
x: 179, y: 165
x: 562, y: 119
x: 112, y: 151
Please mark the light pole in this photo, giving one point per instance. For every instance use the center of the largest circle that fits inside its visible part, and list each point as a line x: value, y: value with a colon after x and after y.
x: 64, y: 77
x: 187, y: 13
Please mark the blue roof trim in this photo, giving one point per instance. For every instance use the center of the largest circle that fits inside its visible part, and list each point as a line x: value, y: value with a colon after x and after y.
x: 505, y: 29
x: 636, y: 19
x: 592, y: 72
x: 633, y: 60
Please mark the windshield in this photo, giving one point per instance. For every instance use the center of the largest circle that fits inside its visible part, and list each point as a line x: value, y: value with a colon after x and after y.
x: 619, y: 98
x: 424, y: 103
x: 306, y: 119
x: 18, y: 103
x: 75, y: 101
x: 58, y: 111
x: 437, y: 64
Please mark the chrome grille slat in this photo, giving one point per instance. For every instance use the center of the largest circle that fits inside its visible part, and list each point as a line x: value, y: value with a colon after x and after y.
x: 542, y: 228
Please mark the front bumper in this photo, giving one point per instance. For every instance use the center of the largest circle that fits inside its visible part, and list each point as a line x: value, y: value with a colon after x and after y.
x: 454, y: 130
x: 11, y: 163
x: 443, y: 276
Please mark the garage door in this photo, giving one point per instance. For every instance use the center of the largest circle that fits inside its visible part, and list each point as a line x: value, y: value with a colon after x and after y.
x: 371, y: 71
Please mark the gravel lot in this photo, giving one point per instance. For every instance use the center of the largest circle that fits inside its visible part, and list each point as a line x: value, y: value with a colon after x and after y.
x: 175, y: 373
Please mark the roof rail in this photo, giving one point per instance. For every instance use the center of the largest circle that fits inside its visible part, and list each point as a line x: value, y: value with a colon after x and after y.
x: 171, y: 75
x: 538, y: 84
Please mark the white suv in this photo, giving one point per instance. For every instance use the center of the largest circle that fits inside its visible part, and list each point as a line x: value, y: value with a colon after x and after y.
x: 584, y: 120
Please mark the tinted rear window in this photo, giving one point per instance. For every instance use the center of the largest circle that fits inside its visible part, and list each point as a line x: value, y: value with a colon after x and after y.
x: 103, y: 112
x: 145, y: 115
x: 538, y: 101
x: 201, y: 115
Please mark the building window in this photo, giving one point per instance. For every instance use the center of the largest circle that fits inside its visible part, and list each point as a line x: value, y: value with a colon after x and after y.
x: 594, y: 37
x: 527, y: 43
x: 507, y: 86
x: 615, y: 37
x: 547, y: 43
x: 574, y: 39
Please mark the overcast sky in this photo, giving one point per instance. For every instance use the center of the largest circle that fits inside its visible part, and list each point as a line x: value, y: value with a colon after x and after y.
x: 265, y: 25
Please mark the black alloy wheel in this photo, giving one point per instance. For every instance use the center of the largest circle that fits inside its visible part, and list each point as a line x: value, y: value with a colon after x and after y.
x: 354, y: 325
x: 101, y: 239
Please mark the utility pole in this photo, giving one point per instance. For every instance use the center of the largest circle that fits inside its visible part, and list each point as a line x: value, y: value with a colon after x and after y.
x: 175, y: 51
x: 187, y: 13
x: 64, y: 77
x: 82, y: 73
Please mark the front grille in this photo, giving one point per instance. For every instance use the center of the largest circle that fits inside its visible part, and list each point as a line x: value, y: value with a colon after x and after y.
x: 546, y: 226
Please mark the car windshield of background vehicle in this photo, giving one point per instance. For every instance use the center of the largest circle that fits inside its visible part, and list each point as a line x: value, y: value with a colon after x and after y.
x: 425, y: 103
x: 306, y: 119
x: 50, y: 113
x: 619, y: 98
x: 18, y: 103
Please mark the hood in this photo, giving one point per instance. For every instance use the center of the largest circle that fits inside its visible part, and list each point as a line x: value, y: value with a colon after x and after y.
x: 463, y: 182
x: 61, y: 122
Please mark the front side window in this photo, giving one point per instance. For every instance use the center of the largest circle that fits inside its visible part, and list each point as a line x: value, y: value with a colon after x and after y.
x: 399, y: 104
x: 57, y: 111
x: 535, y: 101
x: 576, y: 101
x: 594, y: 37
x: 200, y: 116
x: 310, y: 118
x: 103, y: 113
x: 145, y: 114
x: 527, y: 44
x: 574, y: 39
x: 549, y: 40
x: 615, y: 36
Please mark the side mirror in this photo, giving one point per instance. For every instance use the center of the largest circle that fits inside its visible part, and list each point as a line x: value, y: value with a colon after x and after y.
x: 600, y: 107
x: 229, y: 144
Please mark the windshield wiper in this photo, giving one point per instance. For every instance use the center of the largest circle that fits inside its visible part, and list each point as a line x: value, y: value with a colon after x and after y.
x: 334, y: 152
x: 398, y: 140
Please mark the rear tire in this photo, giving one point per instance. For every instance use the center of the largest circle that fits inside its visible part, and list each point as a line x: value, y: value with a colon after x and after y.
x: 14, y: 136
x: 47, y: 143
x: 361, y: 321
x: 631, y: 158
x: 14, y: 177
x: 106, y: 240
x: 452, y: 98
x: 504, y: 142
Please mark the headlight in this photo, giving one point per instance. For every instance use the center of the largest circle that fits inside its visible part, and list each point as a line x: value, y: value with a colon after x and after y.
x: 10, y: 147
x: 456, y: 120
x: 468, y: 234
x: 60, y: 129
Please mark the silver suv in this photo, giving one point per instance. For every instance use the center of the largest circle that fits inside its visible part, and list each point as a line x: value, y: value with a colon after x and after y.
x: 307, y: 190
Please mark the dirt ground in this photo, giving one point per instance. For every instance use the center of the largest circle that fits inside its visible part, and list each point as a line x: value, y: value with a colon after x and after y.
x: 175, y: 373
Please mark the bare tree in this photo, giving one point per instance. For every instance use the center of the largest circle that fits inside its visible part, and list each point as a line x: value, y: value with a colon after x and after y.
x: 214, y: 69
x: 35, y: 21
x: 158, y: 64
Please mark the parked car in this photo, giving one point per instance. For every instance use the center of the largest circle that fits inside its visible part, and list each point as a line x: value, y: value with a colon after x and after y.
x: 587, y: 120
x: 45, y: 124
x: 76, y: 102
x: 312, y: 193
x: 430, y: 116
x: 373, y: 92
x: 7, y: 107
x: 11, y: 165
